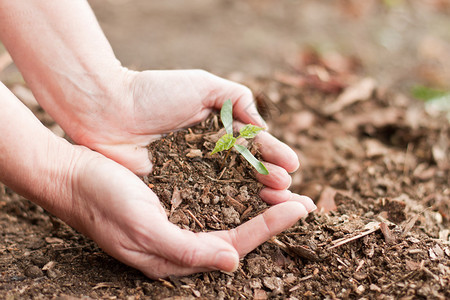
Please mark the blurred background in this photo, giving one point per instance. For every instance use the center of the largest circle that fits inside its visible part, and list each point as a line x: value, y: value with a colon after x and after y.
x: 402, y: 44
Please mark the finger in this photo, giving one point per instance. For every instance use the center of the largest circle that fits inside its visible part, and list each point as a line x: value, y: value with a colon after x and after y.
x: 250, y: 235
x: 275, y: 151
x: 156, y: 267
x: 244, y: 108
x: 273, y: 197
x: 278, y: 178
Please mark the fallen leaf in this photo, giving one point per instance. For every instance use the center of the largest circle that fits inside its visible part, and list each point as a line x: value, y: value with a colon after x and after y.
x: 360, y: 91
x: 326, y: 201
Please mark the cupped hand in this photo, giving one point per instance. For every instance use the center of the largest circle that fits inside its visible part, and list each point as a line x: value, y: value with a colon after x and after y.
x: 152, y: 103
x: 117, y: 210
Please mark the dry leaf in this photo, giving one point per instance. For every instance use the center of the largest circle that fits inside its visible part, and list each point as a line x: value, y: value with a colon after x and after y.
x: 326, y: 201
x: 360, y: 91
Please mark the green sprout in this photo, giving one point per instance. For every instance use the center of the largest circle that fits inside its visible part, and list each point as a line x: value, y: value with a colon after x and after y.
x: 228, y: 141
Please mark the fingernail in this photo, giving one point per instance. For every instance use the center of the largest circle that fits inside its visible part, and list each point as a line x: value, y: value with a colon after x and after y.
x: 309, y: 204
x: 306, y: 201
x: 227, y: 261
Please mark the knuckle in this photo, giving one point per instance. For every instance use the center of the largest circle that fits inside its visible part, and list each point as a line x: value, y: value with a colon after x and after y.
x: 189, y: 257
x: 233, y: 233
x: 247, y: 92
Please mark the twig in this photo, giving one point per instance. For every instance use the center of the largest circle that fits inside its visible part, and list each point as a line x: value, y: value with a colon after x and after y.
x: 195, y: 219
x: 296, y: 287
x: 227, y: 181
x: 409, y: 149
x: 221, y: 173
x: 361, y: 263
x: 371, y: 227
x: 341, y: 262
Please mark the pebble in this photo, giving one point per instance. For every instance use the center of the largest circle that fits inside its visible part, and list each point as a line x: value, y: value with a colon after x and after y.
x: 33, y: 272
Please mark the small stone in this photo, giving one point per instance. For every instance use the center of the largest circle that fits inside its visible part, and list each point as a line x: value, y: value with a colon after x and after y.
x: 33, y: 272
x: 259, y: 294
x: 255, y: 283
x: 52, y: 273
x: 375, y: 288
x: 230, y: 216
x: 216, y: 200
x: 360, y: 289
x: 273, y: 283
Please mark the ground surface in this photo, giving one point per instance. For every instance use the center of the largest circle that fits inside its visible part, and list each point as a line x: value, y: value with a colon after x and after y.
x: 374, y: 161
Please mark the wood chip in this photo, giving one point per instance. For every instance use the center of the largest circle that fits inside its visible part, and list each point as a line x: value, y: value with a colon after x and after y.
x: 176, y: 200
x: 105, y: 285
x: 246, y: 213
x: 194, y: 153
x: 387, y: 233
x: 368, y: 229
x: 49, y: 265
x: 237, y: 205
x: 166, y: 283
x: 192, y: 137
x: 54, y: 240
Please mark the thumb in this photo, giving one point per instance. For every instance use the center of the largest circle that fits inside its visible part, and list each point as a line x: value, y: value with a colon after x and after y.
x: 202, y: 250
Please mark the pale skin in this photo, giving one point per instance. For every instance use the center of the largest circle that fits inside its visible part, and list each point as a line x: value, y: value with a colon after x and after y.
x: 112, y: 113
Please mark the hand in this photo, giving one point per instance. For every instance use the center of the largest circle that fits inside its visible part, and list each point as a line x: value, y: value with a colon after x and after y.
x: 147, y: 104
x: 118, y: 211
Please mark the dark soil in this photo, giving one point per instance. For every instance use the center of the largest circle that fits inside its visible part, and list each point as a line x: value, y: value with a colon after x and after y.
x: 202, y: 191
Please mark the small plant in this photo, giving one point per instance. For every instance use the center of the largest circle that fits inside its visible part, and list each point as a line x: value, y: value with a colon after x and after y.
x: 228, y: 141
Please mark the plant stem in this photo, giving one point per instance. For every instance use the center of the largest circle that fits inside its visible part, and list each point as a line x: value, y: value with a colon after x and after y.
x: 226, y: 156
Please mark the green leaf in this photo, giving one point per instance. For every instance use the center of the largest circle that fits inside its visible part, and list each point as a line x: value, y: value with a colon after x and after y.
x: 226, y: 115
x: 426, y: 93
x: 249, y: 131
x: 224, y: 143
x: 251, y: 159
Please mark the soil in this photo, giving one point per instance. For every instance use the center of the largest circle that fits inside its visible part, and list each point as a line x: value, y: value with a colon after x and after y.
x: 375, y: 162
x: 202, y: 191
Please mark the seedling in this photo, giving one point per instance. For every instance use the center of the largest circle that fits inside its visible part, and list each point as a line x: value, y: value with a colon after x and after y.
x: 228, y: 141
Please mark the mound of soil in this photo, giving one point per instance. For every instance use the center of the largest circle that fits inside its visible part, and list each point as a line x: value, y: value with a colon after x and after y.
x: 375, y: 163
x: 202, y: 191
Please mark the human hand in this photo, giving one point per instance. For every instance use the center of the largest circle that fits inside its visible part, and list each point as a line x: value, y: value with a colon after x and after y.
x: 118, y: 211
x: 147, y: 104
